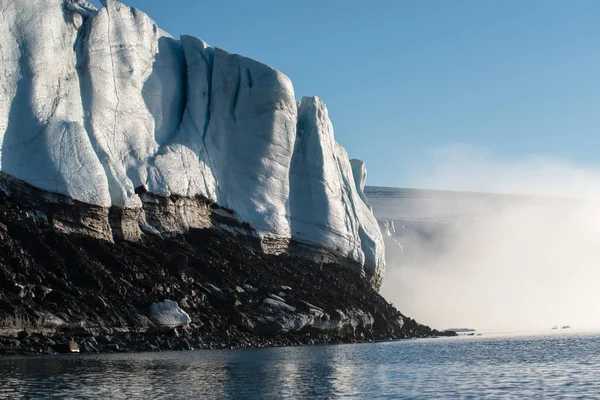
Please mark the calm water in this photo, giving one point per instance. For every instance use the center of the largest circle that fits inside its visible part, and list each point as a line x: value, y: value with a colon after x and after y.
x: 543, y: 366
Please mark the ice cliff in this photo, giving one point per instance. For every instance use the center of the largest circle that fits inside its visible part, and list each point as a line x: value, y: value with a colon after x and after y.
x: 101, y: 105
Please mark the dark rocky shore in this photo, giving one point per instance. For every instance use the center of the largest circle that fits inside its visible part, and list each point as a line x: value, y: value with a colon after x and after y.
x: 60, y: 292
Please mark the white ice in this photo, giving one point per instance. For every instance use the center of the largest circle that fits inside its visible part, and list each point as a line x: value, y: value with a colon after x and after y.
x: 168, y: 313
x: 94, y: 103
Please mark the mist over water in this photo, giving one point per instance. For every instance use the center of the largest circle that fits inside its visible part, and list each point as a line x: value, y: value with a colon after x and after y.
x: 499, y: 262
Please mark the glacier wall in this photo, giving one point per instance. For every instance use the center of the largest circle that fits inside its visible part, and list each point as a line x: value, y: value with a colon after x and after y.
x: 97, y: 103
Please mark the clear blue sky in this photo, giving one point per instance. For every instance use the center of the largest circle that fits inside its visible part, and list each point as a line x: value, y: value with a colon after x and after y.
x: 402, y: 77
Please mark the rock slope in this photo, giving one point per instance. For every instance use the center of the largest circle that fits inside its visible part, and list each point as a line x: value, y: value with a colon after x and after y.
x: 102, y: 106
x: 63, y: 292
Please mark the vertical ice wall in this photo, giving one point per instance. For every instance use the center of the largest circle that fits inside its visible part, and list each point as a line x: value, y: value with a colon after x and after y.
x: 134, y: 75
x: 320, y: 206
x: 96, y: 103
x: 42, y: 136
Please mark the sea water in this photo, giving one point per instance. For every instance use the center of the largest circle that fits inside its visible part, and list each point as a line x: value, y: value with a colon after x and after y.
x: 551, y: 365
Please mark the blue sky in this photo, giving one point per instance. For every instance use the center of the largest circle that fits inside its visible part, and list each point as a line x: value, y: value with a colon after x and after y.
x: 403, y: 78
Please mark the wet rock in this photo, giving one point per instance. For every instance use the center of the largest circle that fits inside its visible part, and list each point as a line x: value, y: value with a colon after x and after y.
x: 184, y: 345
x: 88, y: 347
x: 277, y: 298
x: 270, y: 304
x: 250, y: 288
x: 70, y: 346
x: 310, y: 306
x: 114, y: 347
x: 153, y: 348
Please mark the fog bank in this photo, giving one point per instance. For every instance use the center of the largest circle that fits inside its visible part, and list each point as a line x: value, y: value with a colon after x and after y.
x: 497, y: 262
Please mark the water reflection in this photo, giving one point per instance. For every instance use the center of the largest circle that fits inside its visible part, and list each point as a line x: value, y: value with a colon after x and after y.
x: 449, y: 368
x: 115, y: 377
x: 281, y: 373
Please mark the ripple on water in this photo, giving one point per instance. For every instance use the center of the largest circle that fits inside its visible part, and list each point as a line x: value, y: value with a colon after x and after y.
x: 524, y: 367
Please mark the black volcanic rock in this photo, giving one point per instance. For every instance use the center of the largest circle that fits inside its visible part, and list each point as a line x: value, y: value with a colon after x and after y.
x: 66, y: 288
x: 447, y: 333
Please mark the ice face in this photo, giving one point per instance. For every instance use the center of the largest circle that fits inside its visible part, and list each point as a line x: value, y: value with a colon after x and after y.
x: 95, y: 103
x: 321, y: 212
x: 43, y: 138
x: 133, y: 79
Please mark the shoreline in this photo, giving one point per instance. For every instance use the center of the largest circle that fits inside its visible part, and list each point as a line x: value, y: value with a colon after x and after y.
x: 36, y: 344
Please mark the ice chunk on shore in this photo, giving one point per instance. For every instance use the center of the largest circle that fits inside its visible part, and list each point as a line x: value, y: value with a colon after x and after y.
x: 168, y: 313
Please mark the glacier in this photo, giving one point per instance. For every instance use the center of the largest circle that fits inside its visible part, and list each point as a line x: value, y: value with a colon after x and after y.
x: 101, y: 105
